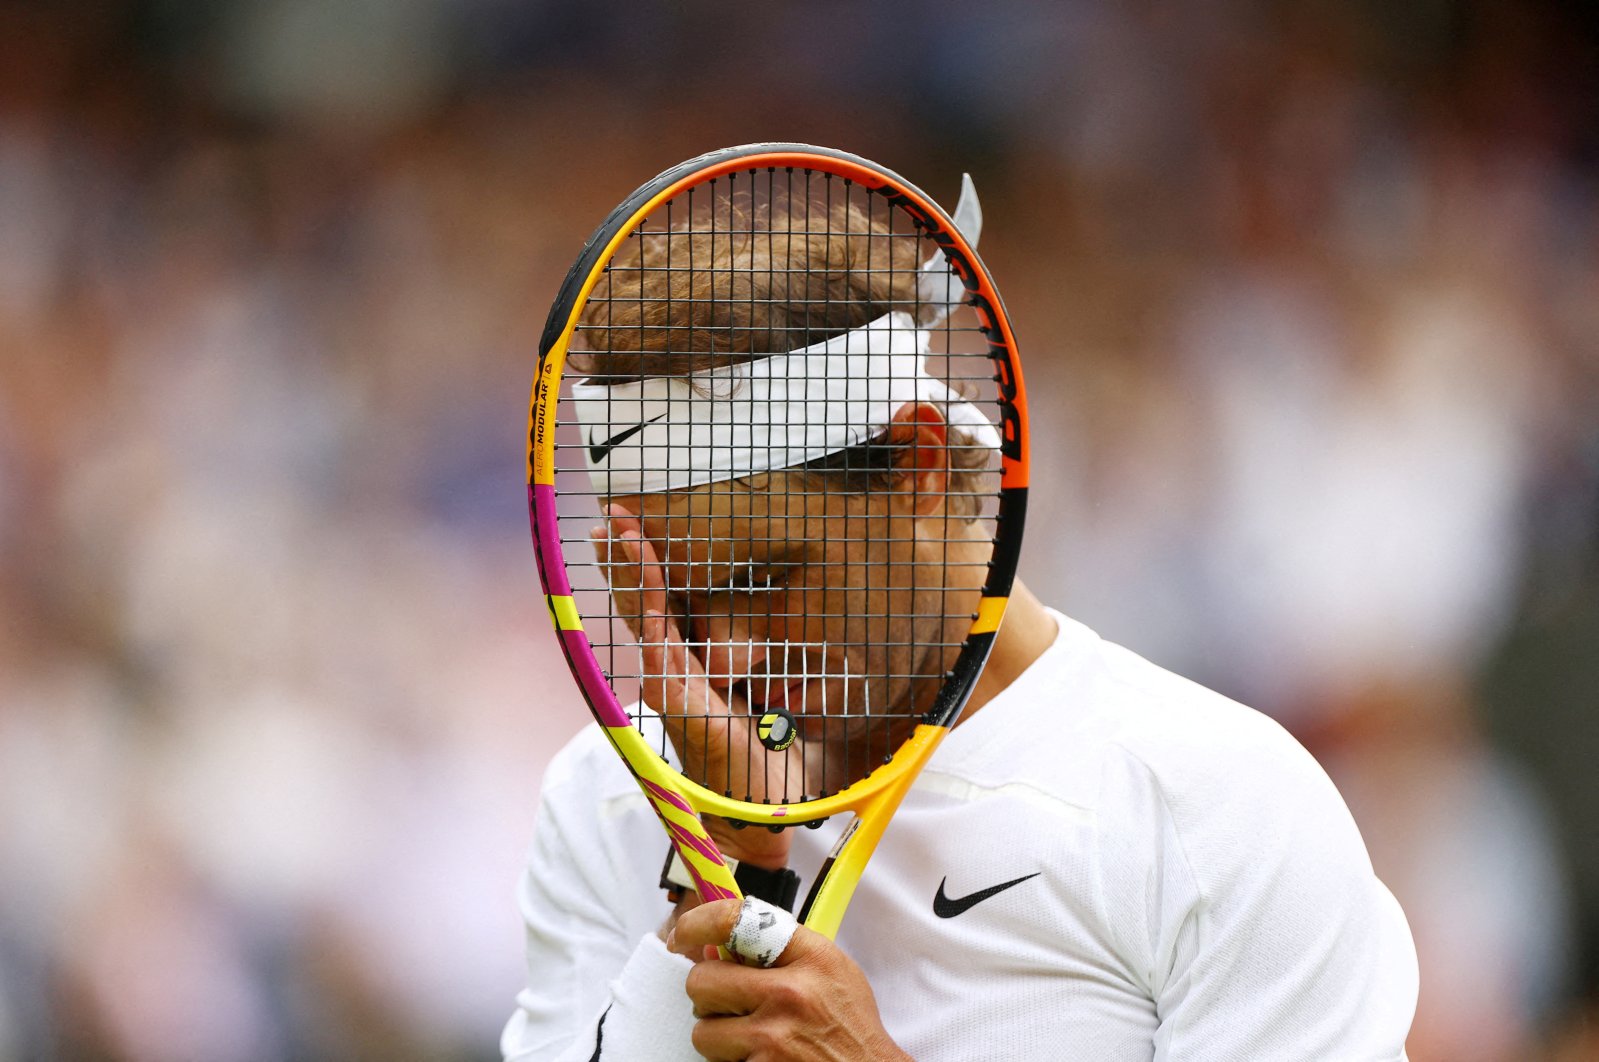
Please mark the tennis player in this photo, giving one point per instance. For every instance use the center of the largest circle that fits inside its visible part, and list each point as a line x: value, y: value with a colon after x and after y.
x: 1102, y: 861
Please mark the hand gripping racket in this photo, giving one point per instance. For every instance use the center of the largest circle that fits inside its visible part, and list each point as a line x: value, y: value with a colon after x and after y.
x: 782, y: 379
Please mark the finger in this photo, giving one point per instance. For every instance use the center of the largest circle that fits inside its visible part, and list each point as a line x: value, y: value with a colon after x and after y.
x: 723, y: 1039
x: 623, y: 516
x: 723, y: 989
x: 697, y: 718
x: 620, y: 571
x: 705, y: 926
x: 614, y: 521
x: 706, y: 732
x: 651, y: 576
x: 674, y: 683
x: 631, y: 566
x: 713, y: 924
x: 674, y: 680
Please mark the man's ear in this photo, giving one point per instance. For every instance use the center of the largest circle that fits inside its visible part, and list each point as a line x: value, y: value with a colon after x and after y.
x: 921, y: 434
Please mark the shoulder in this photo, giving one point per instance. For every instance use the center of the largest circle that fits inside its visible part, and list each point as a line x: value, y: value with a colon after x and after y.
x: 1181, y: 783
x: 587, y: 755
x: 1216, y: 765
x: 1231, y: 866
x: 1101, y: 728
x: 592, y: 819
x: 1222, y: 784
x: 1229, y: 841
x: 587, y: 776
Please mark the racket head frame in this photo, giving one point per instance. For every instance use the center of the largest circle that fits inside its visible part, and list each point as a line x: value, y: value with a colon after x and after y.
x: 677, y: 800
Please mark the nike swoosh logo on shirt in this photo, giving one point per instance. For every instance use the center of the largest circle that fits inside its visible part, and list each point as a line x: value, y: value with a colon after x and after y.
x: 597, y: 451
x: 944, y: 907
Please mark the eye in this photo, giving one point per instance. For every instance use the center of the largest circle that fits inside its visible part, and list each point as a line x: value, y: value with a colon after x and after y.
x: 753, y: 579
x: 757, y: 582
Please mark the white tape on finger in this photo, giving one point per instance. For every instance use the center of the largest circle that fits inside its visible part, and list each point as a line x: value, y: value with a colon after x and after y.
x: 761, y: 932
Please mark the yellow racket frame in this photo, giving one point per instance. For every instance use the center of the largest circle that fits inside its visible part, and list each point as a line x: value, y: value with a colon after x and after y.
x: 677, y: 800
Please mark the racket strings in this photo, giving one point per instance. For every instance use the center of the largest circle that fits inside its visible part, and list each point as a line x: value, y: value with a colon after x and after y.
x: 856, y: 645
x: 742, y: 251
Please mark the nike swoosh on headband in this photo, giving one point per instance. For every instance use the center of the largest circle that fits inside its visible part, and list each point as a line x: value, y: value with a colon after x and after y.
x: 597, y: 451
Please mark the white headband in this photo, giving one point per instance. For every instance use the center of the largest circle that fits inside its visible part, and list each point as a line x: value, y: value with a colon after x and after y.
x: 671, y: 432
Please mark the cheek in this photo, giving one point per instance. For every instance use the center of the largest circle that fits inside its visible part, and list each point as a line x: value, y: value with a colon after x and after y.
x: 819, y: 614
x: 856, y: 592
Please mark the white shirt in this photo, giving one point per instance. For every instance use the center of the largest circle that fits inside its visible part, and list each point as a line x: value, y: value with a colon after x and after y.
x: 1200, y: 891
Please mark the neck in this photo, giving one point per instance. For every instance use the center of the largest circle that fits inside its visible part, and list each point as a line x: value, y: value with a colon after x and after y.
x: 1027, y: 630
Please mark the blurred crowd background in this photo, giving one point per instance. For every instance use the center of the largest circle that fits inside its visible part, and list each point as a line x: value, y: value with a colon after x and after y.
x: 1308, y: 295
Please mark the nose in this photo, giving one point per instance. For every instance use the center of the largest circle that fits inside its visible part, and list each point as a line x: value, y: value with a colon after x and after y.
x: 728, y: 646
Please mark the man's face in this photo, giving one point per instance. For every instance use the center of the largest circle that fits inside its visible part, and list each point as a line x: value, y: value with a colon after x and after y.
x: 840, y: 607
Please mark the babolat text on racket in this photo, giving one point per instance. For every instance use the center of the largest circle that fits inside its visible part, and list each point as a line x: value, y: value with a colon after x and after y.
x: 783, y: 382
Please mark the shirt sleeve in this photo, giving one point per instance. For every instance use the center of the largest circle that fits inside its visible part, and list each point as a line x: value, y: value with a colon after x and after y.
x: 596, y: 989
x: 1261, y: 930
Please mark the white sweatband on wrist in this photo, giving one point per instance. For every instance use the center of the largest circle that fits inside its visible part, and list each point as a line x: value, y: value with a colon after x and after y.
x: 761, y: 932
x: 668, y: 433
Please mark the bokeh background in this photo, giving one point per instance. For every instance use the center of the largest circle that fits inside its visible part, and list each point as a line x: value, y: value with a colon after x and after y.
x: 1308, y: 294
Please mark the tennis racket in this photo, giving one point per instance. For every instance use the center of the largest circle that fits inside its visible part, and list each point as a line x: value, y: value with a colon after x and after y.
x: 784, y: 380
